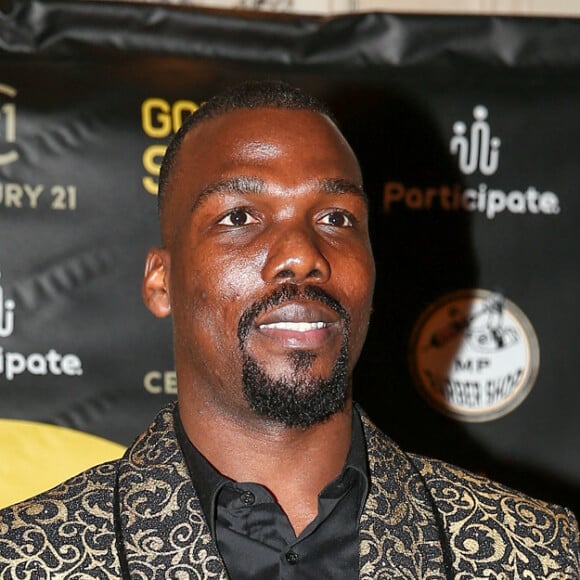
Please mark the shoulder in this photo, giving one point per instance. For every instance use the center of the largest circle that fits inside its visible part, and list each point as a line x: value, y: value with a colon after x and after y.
x: 73, y: 526
x: 486, y: 520
x: 91, y: 490
x: 450, y: 484
x: 72, y: 522
x: 490, y: 529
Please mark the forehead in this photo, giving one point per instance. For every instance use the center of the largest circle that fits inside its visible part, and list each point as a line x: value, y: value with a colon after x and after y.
x: 300, y: 140
x: 285, y: 149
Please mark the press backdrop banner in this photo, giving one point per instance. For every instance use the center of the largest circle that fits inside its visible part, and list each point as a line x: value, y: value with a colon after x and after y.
x: 467, y: 130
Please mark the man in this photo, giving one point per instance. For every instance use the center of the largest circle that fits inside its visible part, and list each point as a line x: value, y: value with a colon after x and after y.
x: 265, y: 469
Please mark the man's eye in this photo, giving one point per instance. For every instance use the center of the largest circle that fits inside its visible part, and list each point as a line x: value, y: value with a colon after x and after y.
x: 337, y: 219
x: 238, y: 217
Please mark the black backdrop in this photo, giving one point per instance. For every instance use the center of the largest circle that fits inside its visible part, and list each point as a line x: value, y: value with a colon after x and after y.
x: 89, y: 96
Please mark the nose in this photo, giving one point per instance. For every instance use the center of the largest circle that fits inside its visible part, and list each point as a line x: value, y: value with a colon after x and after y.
x: 295, y: 256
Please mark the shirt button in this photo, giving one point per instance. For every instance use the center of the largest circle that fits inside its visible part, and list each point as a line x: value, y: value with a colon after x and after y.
x: 248, y: 498
x: 292, y: 558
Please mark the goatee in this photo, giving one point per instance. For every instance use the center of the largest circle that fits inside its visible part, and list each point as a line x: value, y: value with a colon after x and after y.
x: 298, y: 400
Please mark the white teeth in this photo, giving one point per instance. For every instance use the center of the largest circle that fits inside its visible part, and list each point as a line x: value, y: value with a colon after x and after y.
x: 295, y: 326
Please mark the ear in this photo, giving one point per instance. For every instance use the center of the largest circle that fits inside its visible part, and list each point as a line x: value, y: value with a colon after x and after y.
x: 155, y: 289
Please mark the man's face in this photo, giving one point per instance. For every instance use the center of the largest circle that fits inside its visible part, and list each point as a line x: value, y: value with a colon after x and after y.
x: 268, y: 265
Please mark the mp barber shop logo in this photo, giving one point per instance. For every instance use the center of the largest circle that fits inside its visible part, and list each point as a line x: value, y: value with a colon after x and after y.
x: 476, y: 148
x: 13, y: 364
x: 474, y: 355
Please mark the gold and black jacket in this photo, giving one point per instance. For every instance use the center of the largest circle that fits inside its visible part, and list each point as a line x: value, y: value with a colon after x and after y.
x: 139, y: 517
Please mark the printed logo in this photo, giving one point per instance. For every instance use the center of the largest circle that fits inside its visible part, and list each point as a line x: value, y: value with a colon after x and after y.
x: 7, y: 124
x: 16, y: 363
x: 477, y: 152
x: 160, y: 119
x: 481, y: 150
x: 6, y: 315
x: 161, y: 382
x: 474, y: 355
x: 25, y: 196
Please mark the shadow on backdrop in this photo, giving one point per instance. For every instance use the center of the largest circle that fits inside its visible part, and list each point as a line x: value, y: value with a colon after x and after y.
x: 420, y: 256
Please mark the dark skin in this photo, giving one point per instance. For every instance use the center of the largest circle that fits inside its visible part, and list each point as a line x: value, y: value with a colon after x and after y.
x: 259, y: 198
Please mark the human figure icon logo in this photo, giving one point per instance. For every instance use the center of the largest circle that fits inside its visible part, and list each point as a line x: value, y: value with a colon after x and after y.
x: 478, y: 151
x: 6, y: 314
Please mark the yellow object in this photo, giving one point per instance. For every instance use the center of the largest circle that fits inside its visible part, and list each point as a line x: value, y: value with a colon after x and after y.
x: 35, y: 457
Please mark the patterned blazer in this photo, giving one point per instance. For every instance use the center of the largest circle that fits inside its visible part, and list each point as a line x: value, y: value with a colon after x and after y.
x: 140, y: 518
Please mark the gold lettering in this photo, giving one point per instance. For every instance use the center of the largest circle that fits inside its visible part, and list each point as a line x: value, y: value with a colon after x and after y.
x: 151, y: 383
x: 178, y: 110
x: 156, y: 118
x: 152, y: 158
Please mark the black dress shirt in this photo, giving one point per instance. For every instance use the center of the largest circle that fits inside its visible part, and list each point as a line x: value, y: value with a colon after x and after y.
x: 253, y: 534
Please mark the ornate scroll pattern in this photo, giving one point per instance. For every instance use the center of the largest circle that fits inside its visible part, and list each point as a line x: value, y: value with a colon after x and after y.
x: 399, y: 535
x: 66, y: 532
x: 164, y: 531
x: 497, y: 533
x: 494, y: 533
x: 69, y: 533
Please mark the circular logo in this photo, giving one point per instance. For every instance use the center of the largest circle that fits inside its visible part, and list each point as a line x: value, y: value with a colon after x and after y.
x: 474, y: 355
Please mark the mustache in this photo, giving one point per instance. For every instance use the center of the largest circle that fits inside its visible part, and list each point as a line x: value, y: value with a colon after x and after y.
x: 288, y: 293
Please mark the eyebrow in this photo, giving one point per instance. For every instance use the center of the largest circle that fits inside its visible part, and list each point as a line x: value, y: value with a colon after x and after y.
x: 249, y: 185
x: 341, y: 186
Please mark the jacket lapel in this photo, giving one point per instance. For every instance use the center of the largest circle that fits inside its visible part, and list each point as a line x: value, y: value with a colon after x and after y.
x: 399, y: 535
x: 162, y: 531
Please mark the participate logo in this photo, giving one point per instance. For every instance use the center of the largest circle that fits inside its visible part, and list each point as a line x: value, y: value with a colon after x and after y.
x: 474, y: 355
x: 481, y: 150
x: 477, y: 151
x: 7, y: 124
x: 16, y: 363
x: 6, y: 315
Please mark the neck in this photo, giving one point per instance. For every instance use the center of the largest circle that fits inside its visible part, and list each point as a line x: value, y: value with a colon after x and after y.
x: 294, y: 464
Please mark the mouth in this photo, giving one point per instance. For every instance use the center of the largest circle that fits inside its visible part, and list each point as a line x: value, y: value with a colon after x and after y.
x: 298, y: 325
x: 294, y: 326
x: 293, y: 318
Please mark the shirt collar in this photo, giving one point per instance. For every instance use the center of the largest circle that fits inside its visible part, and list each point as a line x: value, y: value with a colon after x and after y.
x: 207, y: 481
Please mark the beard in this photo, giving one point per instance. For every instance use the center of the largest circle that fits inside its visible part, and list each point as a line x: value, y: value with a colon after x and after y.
x: 300, y: 399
